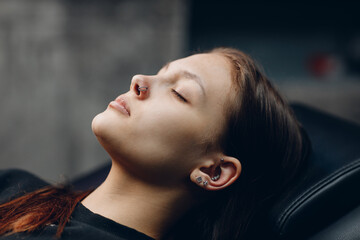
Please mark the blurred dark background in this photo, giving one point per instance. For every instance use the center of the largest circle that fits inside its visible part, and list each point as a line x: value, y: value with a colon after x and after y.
x: 61, y: 62
x: 284, y: 36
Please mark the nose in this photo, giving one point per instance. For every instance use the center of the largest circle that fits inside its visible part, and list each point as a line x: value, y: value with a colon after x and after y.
x: 140, y: 85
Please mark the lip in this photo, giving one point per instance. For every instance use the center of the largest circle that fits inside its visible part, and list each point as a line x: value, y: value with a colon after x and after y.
x: 120, y: 104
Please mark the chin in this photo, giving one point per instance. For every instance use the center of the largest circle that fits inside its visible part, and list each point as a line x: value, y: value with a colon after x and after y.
x: 106, y: 128
x: 96, y: 124
x: 103, y: 124
x: 100, y: 128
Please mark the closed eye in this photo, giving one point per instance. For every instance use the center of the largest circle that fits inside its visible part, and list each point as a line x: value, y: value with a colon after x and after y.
x: 179, y: 95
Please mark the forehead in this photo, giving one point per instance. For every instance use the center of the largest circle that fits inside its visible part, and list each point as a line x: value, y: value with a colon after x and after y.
x: 206, y: 63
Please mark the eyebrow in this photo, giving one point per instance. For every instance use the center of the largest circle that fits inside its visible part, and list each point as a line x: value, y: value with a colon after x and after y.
x: 188, y: 75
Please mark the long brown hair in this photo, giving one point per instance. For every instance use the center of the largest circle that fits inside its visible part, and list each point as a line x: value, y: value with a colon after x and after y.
x: 35, y: 210
x: 262, y: 132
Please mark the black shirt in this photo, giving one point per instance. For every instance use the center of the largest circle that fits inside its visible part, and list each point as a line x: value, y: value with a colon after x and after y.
x: 83, y: 223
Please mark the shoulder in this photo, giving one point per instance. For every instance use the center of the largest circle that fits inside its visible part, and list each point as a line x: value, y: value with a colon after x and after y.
x: 15, y: 182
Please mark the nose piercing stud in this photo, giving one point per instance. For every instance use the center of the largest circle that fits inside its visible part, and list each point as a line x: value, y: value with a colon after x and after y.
x: 142, y: 89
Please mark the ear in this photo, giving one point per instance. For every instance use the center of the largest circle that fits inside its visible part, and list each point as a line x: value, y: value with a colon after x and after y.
x: 216, y: 173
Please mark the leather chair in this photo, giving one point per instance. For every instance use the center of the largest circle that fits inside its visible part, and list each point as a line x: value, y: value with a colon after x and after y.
x: 325, y: 201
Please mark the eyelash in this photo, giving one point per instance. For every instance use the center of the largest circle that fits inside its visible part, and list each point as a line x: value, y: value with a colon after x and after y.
x: 179, y: 95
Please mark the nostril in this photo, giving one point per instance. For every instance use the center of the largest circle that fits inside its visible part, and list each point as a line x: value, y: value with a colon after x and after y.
x: 137, y: 89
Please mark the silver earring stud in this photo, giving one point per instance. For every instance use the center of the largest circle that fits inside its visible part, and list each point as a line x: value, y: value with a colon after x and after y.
x: 205, y: 183
x: 221, y: 160
x: 142, y: 89
x: 215, y: 178
x: 199, y: 179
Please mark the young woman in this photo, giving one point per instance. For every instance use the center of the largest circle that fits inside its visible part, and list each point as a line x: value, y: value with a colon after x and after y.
x: 198, y: 151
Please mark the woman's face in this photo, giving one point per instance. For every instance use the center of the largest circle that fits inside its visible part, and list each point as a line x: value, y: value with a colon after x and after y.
x: 165, y: 131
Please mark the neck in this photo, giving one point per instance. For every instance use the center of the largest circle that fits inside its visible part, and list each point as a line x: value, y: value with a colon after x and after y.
x: 147, y: 208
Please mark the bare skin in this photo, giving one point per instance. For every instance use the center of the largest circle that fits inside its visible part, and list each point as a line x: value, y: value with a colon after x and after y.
x: 148, y: 209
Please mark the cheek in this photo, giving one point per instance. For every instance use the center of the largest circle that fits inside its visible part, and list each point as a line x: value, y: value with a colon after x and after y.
x: 170, y: 130
x: 167, y: 143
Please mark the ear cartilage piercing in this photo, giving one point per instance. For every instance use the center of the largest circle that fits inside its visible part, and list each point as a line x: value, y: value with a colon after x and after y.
x: 142, y: 89
x: 215, y: 178
x: 205, y: 183
x: 199, y: 179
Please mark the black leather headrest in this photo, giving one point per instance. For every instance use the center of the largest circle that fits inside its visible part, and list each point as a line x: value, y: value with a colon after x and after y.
x: 329, y: 187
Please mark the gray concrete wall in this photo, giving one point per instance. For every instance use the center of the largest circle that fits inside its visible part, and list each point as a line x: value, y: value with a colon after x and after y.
x: 61, y: 62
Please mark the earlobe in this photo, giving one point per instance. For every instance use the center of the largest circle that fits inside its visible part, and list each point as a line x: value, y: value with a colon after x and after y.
x: 217, y: 174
